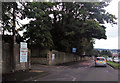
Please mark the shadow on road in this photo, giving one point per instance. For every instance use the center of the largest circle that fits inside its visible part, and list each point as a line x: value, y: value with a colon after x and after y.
x: 21, y: 75
x: 98, y: 66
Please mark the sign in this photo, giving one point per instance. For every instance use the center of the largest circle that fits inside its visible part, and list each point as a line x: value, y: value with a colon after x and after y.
x: 23, y: 45
x: 74, y: 50
x: 23, y: 52
x: 53, y: 57
x: 84, y: 53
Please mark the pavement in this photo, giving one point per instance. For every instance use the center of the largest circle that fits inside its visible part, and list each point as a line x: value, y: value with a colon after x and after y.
x: 80, y: 71
x: 23, y: 75
x: 28, y: 75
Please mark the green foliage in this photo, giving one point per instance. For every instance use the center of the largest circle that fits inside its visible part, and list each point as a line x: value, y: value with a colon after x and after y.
x: 38, y: 31
x: 71, y: 24
x: 6, y: 16
x: 11, y: 15
x: 64, y: 25
x: 106, y: 53
x: 93, y: 29
x: 114, y: 65
x: 76, y: 22
x: 94, y: 53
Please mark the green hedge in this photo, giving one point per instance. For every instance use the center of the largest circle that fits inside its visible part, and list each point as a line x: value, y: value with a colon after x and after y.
x: 114, y: 65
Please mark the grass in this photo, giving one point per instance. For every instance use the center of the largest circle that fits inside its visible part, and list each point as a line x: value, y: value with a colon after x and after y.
x: 114, y: 65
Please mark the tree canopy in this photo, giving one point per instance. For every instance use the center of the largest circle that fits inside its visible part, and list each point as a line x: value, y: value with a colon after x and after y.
x: 65, y: 25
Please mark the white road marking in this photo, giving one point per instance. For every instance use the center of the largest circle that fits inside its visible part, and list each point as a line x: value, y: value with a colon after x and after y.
x: 74, y: 79
x: 110, y: 67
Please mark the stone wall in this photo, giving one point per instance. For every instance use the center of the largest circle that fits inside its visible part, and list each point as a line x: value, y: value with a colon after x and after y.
x: 43, y: 61
x: 36, y: 52
x: 7, y: 58
x: 55, y: 57
x: 39, y: 56
x: 60, y: 57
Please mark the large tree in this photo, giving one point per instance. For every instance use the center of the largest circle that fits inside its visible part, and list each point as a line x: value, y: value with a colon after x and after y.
x: 65, y: 25
x: 76, y: 24
x: 10, y: 14
x: 38, y: 31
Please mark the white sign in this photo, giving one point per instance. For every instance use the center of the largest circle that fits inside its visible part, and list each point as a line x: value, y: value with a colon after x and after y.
x: 53, y: 56
x: 23, y: 49
x: 23, y: 55
x: 23, y: 45
x: 23, y: 52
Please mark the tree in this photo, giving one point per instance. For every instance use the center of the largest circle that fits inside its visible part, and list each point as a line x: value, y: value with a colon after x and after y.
x: 65, y: 25
x: 38, y: 31
x: 10, y: 12
x: 94, y: 52
x: 106, y: 53
x: 84, y: 24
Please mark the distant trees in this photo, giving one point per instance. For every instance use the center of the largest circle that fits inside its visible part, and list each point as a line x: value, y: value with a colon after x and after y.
x: 106, y: 53
x: 64, y: 25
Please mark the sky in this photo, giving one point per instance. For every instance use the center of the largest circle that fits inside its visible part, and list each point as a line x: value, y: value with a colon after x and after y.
x: 111, y: 31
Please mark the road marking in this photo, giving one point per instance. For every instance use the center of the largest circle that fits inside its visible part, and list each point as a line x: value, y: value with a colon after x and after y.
x: 110, y: 66
x: 107, y: 71
x: 74, y: 79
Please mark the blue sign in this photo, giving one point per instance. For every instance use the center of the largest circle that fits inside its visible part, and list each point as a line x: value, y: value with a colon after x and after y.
x: 74, y: 50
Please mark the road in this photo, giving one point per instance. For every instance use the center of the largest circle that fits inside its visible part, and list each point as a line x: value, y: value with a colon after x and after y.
x: 85, y: 71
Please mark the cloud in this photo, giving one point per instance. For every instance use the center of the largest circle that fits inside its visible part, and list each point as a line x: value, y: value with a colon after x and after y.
x: 111, y: 31
x: 110, y: 43
x: 113, y: 7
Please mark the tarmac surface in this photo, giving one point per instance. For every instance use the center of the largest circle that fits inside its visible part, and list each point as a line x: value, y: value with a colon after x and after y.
x: 84, y: 71
x: 80, y: 71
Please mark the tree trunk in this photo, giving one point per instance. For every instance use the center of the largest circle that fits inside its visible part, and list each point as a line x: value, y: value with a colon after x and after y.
x: 14, y: 40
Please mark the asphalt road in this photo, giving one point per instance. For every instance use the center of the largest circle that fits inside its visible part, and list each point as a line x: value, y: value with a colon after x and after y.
x: 85, y: 71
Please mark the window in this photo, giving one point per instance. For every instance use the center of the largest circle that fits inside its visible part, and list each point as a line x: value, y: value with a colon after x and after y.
x: 101, y: 59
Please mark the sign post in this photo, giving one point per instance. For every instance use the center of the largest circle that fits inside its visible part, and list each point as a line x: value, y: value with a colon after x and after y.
x: 74, y: 51
x: 23, y: 52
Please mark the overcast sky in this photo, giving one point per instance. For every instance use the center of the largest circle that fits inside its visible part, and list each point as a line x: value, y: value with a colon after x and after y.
x: 111, y: 32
